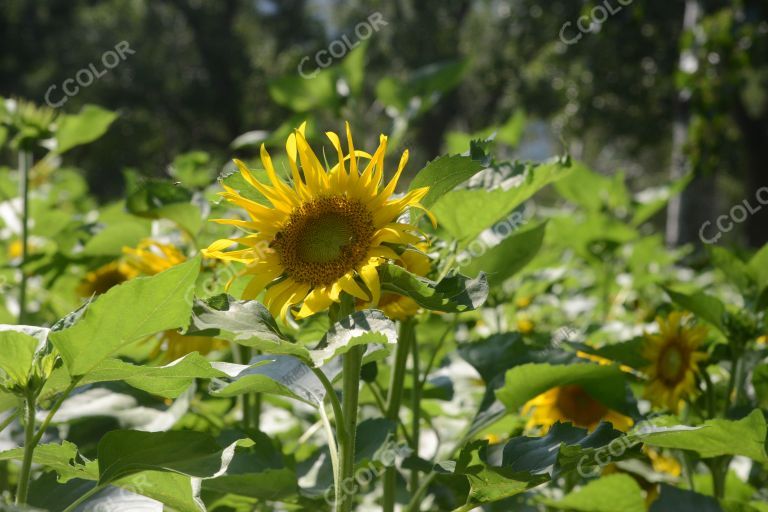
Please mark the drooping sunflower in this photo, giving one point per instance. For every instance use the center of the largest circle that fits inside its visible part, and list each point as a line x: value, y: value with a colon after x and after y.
x: 151, y: 257
x: 674, y: 361
x: 571, y: 403
x: 325, y: 233
x: 399, y: 307
x: 105, y: 277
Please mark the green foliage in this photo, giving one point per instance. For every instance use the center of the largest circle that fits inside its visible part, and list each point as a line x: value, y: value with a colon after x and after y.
x: 155, y: 304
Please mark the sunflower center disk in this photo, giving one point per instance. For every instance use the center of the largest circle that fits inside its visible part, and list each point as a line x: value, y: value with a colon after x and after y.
x: 671, y: 363
x: 324, y: 239
x: 579, y: 407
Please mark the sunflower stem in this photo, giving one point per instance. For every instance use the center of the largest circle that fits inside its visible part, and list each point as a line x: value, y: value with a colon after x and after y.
x: 415, y: 408
x: 29, y: 448
x: 394, y: 397
x: 25, y: 163
x: 352, y: 363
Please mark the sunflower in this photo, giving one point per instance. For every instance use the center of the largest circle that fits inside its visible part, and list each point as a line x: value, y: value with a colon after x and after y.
x: 105, y: 277
x: 151, y: 257
x: 325, y: 233
x: 572, y: 404
x: 663, y: 463
x: 399, y: 307
x: 674, y: 361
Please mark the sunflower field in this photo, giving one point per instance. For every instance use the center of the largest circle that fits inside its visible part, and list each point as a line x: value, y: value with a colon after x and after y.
x: 361, y: 273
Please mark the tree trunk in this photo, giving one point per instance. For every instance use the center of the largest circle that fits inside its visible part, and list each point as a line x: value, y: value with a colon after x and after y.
x: 688, y: 210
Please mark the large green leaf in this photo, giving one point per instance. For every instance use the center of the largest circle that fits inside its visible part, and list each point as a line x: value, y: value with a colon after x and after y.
x: 718, y: 437
x: 453, y: 294
x: 257, y: 470
x: 734, y: 269
x: 17, y: 352
x: 502, y: 261
x: 246, y: 322
x: 464, y: 214
x: 249, y: 323
x: 443, y: 174
x: 280, y: 375
x: 591, y: 190
x: 168, y: 381
x: 604, y: 383
x: 62, y: 458
x: 359, y: 328
x: 124, y: 452
x: 127, y: 313
x: 681, y: 500
x: 84, y: 127
x: 611, y: 493
x: 704, y: 306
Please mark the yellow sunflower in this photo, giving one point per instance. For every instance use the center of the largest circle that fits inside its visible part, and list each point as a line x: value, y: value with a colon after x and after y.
x: 674, y: 361
x: 325, y: 233
x: 105, y: 277
x: 151, y: 257
x: 399, y: 307
x: 663, y: 463
x: 572, y: 404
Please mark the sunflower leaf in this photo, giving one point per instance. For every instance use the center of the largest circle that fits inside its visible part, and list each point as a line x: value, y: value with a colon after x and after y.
x: 611, y: 493
x: 606, y: 384
x: 453, y: 294
x: 442, y: 175
x: 717, y: 437
x: 125, y: 452
x: 705, y: 306
x: 156, y: 303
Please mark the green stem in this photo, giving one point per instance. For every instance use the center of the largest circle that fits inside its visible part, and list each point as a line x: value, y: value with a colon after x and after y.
x: 710, y: 393
x: 333, y: 445
x: 25, y: 162
x: 54, y: 408
x: 719, y: 469
x: 352, y: 362
x: 415, y: 408
x: 7, y: 421
x: 394, y: 397
x: 84, y: 498
x: 29, y: 448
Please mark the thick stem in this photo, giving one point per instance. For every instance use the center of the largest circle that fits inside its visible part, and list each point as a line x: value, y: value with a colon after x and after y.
x: 394, y: 397
x: 719, y: 469
x: 352, y: 362
x: 24, y: 164
x: 415, y: 409
x: 29, y: 449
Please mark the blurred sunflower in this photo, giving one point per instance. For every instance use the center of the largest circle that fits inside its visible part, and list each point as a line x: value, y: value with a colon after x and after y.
x: 674, y: 361
x: 105, y: 277
x: 148, y: 258
x: 662, y: 463
x: 525, y: 325
x: 325, y: 233
x: 399, y: 307
x: 763, y: 339
x: 573, y: 404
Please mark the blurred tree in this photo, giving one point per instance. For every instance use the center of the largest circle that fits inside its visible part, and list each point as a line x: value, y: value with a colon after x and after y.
x: 603, y: 77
